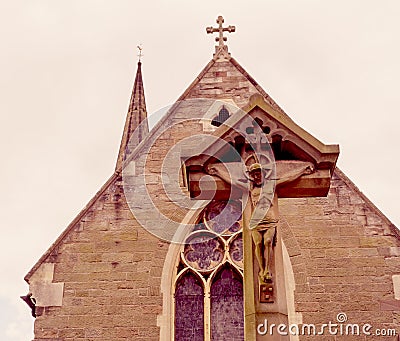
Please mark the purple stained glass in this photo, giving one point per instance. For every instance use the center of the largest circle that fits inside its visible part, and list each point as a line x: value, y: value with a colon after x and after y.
x: 204, y: 252
x: 189, y: 309
x: 236, y: 250
x: 223, y: 216
x: 227, y: 322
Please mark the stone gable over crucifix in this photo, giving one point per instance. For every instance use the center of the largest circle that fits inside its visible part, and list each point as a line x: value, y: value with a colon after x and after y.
x: 287, y: 140
x: 291, y: 163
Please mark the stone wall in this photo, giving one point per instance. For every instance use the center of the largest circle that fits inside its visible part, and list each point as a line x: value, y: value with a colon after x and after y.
x: 111, y: 270
x: 344, y: 253
x: 109, y: 265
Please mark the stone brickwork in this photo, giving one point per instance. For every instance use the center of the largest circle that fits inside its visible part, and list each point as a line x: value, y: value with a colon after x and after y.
x: 343, y: 253
x: 111, y: 270
x: 223, y: 81
x: 224, y: 78
x: 109, y: 264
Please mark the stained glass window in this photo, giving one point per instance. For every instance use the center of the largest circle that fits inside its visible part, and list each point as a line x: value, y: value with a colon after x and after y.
x: 189, y: 307
x: 227, y: 306
x: 209, y: 288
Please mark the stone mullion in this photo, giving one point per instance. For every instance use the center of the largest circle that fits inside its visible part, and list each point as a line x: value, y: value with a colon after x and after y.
x: 207, y: 311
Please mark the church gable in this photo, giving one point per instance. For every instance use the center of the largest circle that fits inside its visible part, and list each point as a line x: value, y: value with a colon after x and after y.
x: 157, y: 255
x: 222, y: 80
x: 225, y: 79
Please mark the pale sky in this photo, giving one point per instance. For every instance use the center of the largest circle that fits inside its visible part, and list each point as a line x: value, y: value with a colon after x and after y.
x: 67, y: 69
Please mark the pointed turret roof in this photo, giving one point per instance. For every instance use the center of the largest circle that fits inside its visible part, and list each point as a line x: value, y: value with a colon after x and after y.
x: 136, y: 125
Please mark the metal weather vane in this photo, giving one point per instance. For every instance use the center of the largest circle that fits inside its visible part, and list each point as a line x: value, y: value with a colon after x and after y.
x: 140, y: 53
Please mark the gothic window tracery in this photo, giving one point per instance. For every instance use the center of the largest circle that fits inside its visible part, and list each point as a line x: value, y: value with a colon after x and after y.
x: 209, y: 285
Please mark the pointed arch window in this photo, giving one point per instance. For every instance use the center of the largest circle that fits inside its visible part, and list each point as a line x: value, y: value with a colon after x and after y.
x: 209, y: 282
x: 222, y: 116
x: 189, y: 303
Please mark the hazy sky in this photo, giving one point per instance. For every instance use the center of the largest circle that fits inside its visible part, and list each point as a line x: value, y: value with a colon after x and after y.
x: 67, y: 69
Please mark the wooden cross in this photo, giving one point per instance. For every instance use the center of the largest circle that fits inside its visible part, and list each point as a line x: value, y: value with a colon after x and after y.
x: 221, y: 31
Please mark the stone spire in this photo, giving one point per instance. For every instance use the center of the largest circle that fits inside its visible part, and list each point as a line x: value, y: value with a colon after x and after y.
x: 136, y: 125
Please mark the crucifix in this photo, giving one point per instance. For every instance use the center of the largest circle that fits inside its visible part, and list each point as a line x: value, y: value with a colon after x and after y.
x: 220, y: 39
x: 260, y: 180
x: 236, y: 166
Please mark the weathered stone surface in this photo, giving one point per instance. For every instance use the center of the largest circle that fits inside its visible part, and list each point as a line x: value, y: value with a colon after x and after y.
x: 346, y: 268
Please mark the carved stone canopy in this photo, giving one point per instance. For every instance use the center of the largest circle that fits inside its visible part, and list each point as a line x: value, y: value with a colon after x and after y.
x: 289, y: 143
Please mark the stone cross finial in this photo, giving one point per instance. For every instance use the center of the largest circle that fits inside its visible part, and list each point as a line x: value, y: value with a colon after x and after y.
x: 221, y: 31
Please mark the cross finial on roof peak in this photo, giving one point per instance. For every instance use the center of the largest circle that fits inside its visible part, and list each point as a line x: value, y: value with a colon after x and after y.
x: 221, y: 39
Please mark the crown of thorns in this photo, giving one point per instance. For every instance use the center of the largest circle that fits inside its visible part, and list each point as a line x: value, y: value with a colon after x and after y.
x: 256, y: 166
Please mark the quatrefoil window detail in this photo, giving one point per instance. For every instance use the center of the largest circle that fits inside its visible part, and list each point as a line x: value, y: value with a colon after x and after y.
x: 204, y: 251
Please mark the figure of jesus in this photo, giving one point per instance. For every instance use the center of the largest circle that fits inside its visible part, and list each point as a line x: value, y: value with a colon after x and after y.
x: 264, y: 204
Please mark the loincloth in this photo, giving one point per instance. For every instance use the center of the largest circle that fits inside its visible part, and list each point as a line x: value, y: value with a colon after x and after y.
x: 263, y: 224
